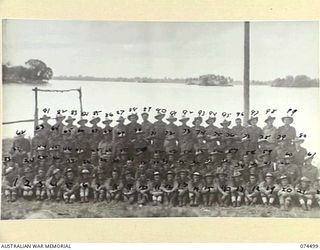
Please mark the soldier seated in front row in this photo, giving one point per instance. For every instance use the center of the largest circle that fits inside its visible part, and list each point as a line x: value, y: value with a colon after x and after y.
x: 305, y: 193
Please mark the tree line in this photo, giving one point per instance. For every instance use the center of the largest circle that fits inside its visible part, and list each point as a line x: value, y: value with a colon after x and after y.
x: 33, y: 71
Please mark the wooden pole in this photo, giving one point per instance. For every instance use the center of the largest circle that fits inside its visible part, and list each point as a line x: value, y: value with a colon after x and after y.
x: 36, y: 115
x: 246, y: 75
x: 80, y: 98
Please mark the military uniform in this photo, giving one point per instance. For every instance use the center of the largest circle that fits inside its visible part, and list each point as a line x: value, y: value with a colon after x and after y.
x: 223, y: 187
x: 155, y: 189
x: 316, y: 187
x: 305, y: 193
x: 209, y: 189
x: 254, y: 133
x: 169, y: 188
x: 105, y: 144
x: 95, y: 133
x: 252, y: 192
x: 70, y: 186
x: 120, y: 137
x: 211, y: 134
x: 129, y: 188
x: 286, y: 130
x: 226, y: 135
x: 270, y: 131
x: 20, y: 149
x: 99, y: 185
x: 39, y: 184
x: 237, y: 189
x: 58, y: 126
x: 26, y: 183
x: 268, y: 189
x: 299, y: 153
x: 146, y: 125
x: 195, y: 186
x: 310, y: 171
x: 158, y: 133
x: 54, y: 185
x: 70, y: 127
x: 185, y: 136
x: 114, y: 187
x: 143, y: 186
x: 285, y: 193
x: 171, y: 136
x: 45, y: 127
x: 182, y: 181
x: 10, y: 182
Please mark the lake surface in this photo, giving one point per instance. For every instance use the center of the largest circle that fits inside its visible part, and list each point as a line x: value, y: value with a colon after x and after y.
x: 19, y: 101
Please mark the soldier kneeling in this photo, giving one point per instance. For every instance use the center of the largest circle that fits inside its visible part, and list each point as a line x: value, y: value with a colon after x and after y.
x: 39, y: 183
x: 129, y: 188
x: 26, y: 184
x: 268, y: 190
x: 209, y: 190
x: 155, y: 191
x: 169, y: 188
x: 305, y: 193
x: 70, y: 186
x: 224, y: 189
x: 85, y: 184
x: 99, y: 185
x: 143, y: 187
x: 114, y: 187
x: 237, y: 189
x: 54, y: 185
x: 9, y: 184
x: 182, y: 187
x: 285, y: 193
x: 195, y: 186
x: 317, y: 190
x: 252, y: 191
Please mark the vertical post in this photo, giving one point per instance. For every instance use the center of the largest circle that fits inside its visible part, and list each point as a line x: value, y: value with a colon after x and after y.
x: 80, y: 98
x: 36, y: 115
x: 246, y: 75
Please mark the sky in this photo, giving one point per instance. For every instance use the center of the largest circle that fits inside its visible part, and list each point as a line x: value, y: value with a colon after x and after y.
x: 164, y: 49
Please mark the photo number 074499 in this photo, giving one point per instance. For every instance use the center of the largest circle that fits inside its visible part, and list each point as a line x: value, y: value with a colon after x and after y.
x: 160, y: 119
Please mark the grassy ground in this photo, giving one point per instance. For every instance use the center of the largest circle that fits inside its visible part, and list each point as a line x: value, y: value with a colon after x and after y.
x: 40, y: 210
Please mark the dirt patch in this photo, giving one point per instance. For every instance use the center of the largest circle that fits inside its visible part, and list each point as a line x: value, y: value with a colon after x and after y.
x: 47, y: 210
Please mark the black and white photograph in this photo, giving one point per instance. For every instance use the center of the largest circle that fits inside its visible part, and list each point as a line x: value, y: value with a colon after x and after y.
x: 118, y: 119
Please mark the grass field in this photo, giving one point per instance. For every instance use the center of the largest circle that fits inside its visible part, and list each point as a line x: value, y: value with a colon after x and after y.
x: 40, y: 210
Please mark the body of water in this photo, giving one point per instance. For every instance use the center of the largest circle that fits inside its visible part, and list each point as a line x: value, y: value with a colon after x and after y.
x: 19, y: 101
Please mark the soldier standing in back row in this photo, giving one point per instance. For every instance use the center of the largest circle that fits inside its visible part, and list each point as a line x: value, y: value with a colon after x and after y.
x: 146, y: 124
x: 46, y: 127
x: 171, y: 137
x: 105, y: 144
x: 254, y: 133
x: 95, y: 133
x: 133, y: 127
x: 158, y: 132
x: 211, y: 135
x: 119, y: 137
x: 58, y: 126
x: 70, y: 126
x: 197, y: 128
x: 287, y: 131
x: 185, y: 138
x: 225, y: 134
x: 270, y: 131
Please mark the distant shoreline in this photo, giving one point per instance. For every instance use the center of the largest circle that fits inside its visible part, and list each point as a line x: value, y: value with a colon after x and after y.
x: 139, y: 80
x: 169, y: 80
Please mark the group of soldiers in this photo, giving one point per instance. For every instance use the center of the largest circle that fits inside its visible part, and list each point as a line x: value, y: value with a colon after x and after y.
x: 163, y: 163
